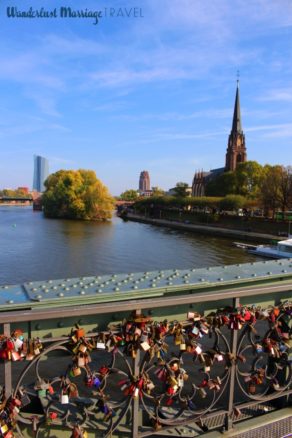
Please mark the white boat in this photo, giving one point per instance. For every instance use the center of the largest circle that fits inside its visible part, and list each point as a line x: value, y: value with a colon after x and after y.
x: 282, y: 250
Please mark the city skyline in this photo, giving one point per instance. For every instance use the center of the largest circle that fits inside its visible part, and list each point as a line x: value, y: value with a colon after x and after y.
x: 153, y: 92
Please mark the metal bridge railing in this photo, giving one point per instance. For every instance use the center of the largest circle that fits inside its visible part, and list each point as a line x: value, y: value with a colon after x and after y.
x: 195, y: 360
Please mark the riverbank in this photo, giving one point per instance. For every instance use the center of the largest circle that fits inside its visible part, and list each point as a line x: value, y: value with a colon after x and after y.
x: 207, y: 229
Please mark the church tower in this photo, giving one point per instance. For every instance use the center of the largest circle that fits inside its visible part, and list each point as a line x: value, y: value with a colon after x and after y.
x: 236, y: 150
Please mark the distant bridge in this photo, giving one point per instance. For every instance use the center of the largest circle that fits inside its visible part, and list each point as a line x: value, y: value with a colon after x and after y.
x: 15, y: 199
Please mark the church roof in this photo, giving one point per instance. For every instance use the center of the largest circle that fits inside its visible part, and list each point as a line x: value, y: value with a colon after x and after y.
x: 236, y: 123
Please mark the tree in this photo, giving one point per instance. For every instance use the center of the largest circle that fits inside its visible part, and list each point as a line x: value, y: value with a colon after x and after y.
x: 232, y: 202
x: 77, y: 194
x: 157, y: 191
x: 269, y: 188
x: 222, y: 185
x: 129, y: 195
x: 248, y: 177
x: 181, y: 189
x: 285, y: 187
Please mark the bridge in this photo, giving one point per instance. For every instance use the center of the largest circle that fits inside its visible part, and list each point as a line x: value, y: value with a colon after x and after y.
x: 15, y: 199
x: 182, y: 353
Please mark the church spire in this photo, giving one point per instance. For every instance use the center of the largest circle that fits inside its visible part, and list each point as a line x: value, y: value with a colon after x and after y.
x: 236, y: 123
x: 236, y: 150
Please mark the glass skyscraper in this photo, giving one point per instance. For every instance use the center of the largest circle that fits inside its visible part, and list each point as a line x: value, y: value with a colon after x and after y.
x: 40, y: 173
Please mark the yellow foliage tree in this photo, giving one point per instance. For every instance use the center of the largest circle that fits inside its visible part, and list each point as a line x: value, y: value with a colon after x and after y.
x: 77, y: 194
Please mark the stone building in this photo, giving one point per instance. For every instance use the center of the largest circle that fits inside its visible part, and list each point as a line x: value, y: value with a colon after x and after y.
x: 144, y: 181
x: 235, y: 154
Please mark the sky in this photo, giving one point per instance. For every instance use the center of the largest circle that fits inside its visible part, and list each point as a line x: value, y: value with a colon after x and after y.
x: 153, y: 92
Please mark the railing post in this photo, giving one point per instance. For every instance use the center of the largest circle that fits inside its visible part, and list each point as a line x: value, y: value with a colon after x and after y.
x: 136, y: 400
x: 233, y: 340
x: 7, y: 365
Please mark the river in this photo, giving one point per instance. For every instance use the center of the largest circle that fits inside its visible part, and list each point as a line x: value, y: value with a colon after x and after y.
x: 36, y: 248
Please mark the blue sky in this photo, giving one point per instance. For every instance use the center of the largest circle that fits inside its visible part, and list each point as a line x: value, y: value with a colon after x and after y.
x: 154, y: 92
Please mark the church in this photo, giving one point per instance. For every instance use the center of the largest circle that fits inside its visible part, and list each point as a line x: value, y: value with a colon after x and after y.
x: 236, y: 152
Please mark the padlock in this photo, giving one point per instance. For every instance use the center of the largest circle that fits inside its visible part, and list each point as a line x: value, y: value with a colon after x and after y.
x: 202, y: 393
x: 252, y: 388
x: 204, y: 329
x: 4, y: 429
x: 138, y: 332
x: 18, y: 343
x: 150, y: 386
x: 42, y: 393
x: 51, y: 390
x: 79, y: 333
x: 100, y: 345
x: 219, y: 357
x: 73, y: 391
x: 180, y: 382
x: 144, y: 337
x: 198, y: 349
x: 81, y: 360
x: 136, y: 393
x: 29, y: 356
x: 15, y: 356
x: 145, y: 346
x: 276, y: 386
x: 53, y: 415
x: 16, y: 401
x: 172, y: 381
x: 76, y: 371
x: 82, y: 348
x: 96, y: 382
x: 25, y: 400
x: 183, y: 347
x: 174, y: 366
x: 195, y: 331
x: 64, y: 399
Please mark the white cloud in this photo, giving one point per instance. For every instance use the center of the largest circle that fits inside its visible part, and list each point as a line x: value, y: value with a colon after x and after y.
x: 280, y: 95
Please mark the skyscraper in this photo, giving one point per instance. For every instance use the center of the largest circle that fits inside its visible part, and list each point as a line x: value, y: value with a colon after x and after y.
x: 144, y: 181
x: 40, y: 173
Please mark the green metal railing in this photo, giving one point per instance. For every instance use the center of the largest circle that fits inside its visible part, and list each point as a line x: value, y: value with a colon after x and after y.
x: 151, y: 352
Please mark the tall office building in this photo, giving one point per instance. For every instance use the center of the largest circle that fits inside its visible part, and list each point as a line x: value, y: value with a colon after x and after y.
x: 40, y: 173
x: 144, y: 181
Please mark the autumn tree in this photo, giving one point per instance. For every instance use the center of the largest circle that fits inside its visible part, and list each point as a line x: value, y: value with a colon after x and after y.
x: 129, y: 195
x: 285, y: 188
x: 77, y: 194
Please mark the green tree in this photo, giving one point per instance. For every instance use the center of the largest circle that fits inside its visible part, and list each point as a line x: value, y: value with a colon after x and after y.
x: 232, y: 202
x: 181, y: 189
x: 77, y: 194
x: 129, y: 195
x: 248, y: 177
x: 222, y: 185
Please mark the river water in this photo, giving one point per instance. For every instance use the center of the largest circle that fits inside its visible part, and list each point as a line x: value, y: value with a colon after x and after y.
x: 35, y: 248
